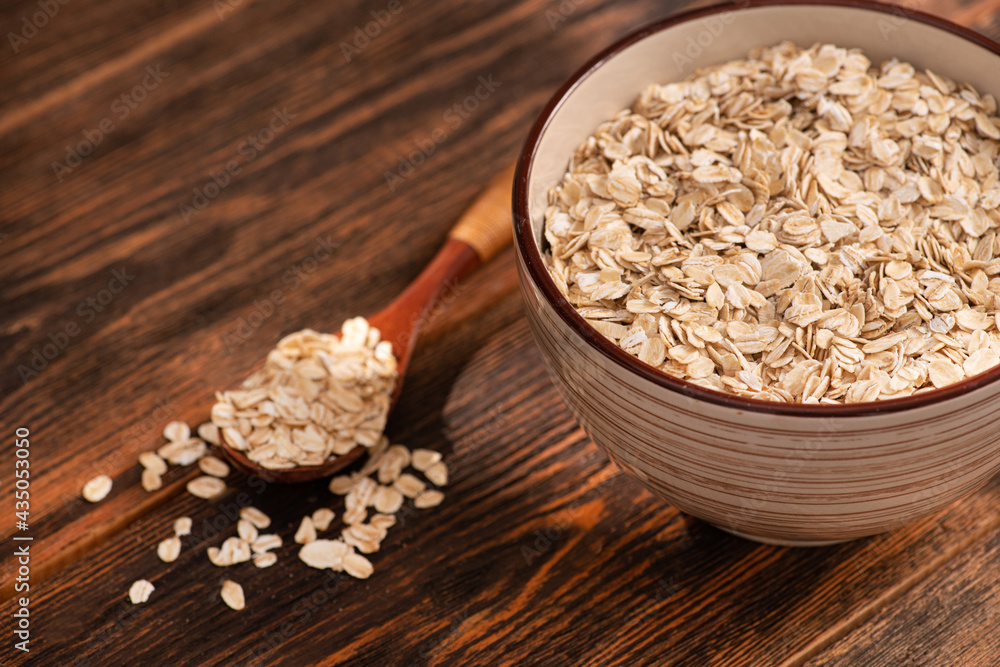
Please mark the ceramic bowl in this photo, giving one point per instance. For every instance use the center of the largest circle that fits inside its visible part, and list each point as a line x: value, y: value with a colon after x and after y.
x: 778, y: 473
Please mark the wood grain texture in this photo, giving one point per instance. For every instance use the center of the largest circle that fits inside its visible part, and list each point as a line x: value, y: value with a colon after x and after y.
x: 496, y: 574
x: 542, y: 553
x: 951, y: 618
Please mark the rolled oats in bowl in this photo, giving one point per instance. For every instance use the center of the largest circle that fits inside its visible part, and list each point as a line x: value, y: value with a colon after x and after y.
x: 797, y: 226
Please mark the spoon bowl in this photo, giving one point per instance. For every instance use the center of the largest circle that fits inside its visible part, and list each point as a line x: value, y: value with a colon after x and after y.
x: 482, y: 231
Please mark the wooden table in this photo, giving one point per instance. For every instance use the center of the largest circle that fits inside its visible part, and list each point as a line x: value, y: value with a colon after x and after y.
x: 184, y: 181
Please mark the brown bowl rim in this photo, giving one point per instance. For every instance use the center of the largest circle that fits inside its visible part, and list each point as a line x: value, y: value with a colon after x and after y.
x: 535, y: 266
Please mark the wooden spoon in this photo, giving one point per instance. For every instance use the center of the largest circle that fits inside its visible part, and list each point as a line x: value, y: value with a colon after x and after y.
x: 483, y: 230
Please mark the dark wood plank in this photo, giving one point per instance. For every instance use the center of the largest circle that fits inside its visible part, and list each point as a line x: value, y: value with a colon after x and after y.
x: 196, y: 282
x: 172, y: 335
x: 543, y: 553
x: 951, y: 618
x: 53, y: 50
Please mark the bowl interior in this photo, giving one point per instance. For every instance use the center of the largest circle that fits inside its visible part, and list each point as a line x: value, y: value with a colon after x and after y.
x: 676, y: 51
x: 670, y: 51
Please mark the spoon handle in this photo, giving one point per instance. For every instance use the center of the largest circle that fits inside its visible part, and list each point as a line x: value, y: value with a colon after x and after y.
x: 482, y: 231
x: 485, y: 225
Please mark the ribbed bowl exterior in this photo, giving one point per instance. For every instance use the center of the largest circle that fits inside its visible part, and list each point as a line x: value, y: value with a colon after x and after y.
x: 772, y: 478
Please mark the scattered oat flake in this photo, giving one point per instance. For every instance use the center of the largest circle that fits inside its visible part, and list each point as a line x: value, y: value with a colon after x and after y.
x: 232, y: 594
x: 428, y: 499
x: 362, y: 495
x: 387, y: 500
x: 97, y: 489
x: 393, y: 461
x: 182, y: 526
x: 206, y: 487
x: 176, y: 431
x: 183, y: 452
x: 213, y: 466
x: 209, y: 432
x: 409, y: 485
x: 236, y: 550
x: 255, y: 516
x: 151, y: 461
x: 355, y: 515
x: 265, y: 559
x: 246, y: 530
x: 140, y: 591
x: 169, y: 549
x: 233, y: 551
x: 341, y: 485
x: 366, y: 538
x: 151, y: 480
x: 306, y: 532
x: 323, y: 554
x: 437, y: 474
x: 358, y: 566
x: 322, y: 518
x: 422, y: 459
x: 265, y: 543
